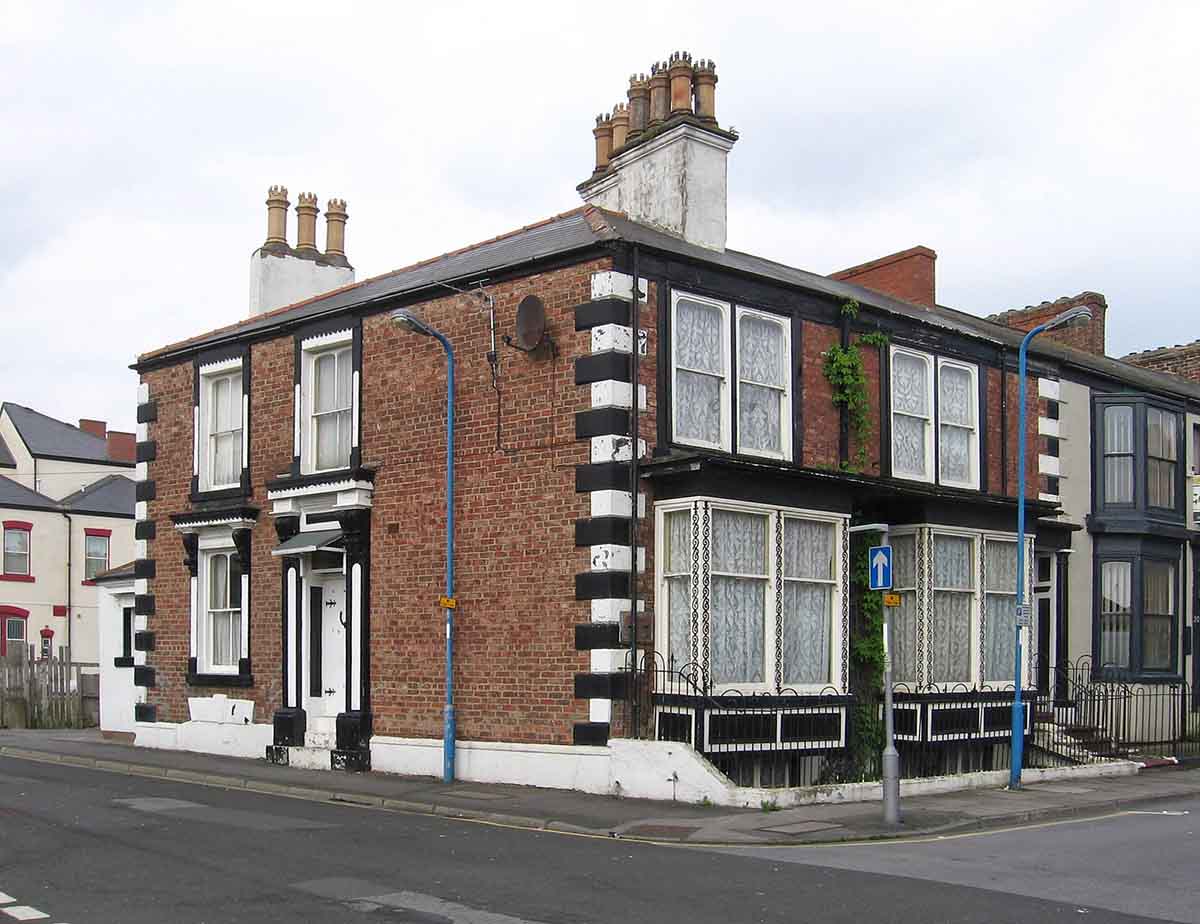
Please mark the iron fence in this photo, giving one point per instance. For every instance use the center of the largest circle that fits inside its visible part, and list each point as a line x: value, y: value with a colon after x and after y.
x: 787, y: 737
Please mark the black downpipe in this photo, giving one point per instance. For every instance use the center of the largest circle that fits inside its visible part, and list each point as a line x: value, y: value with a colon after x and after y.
x: 635, y: 324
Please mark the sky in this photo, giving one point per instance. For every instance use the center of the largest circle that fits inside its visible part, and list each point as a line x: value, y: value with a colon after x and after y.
x: 1041, y: 149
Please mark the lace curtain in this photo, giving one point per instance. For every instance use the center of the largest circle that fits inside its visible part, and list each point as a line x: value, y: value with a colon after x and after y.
x: 950, y: 630
x: 738, y: 596
x: 762, y: 380
x: 903, y: 618
x: 999, y: 643
x: 1158, y: 613
x: 1115, y: 613
x: 911, y: 405
x: 1118, y: 454
x: 679, y: 588
x: 808, y: 550
x: 956, y: 416
x: 700, y: 370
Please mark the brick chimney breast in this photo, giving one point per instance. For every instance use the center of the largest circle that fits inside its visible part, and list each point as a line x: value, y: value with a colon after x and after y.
x: 1088, y: 337
x: 909, y: 275
x: 121, y: 446
x: 94, y: 427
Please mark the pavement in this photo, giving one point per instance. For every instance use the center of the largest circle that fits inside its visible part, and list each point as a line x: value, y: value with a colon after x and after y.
x: 630, y: 819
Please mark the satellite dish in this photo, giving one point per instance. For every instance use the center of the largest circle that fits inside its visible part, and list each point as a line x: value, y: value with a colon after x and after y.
x: 531, y: 324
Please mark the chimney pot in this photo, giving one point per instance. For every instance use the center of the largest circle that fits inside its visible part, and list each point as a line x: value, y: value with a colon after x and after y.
x: 706, y: 92
x: 335, y: 227
x: 603, y: 133
x: 277, y: 209
x: 306, y: 222
x: 680, y: 74
x: 620, y: 126
x: 660, y: 102
x: 639, y: 104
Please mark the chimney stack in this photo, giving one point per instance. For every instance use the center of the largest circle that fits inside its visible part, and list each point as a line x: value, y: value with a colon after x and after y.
x: 94, y: 427
x: 661, y: 158
x: 639, y: 105
x: 277, y: 209
x: 121, y: 446
x: 306, y: 223
x: 335, y: 228
x: 282, y: 275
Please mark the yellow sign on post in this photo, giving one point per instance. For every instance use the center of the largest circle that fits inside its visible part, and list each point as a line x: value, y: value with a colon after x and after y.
x: 448, y: 603
x: 891, y: 599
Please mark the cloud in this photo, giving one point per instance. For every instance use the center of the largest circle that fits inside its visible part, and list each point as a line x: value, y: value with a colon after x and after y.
x: 1040, y: 150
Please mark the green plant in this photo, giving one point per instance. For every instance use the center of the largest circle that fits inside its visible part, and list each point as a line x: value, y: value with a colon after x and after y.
x: 866, y: 654
x: 845, y: 373
x: 769, y: 805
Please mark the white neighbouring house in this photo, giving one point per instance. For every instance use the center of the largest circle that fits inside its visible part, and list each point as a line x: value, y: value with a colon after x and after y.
x: 66, y: 515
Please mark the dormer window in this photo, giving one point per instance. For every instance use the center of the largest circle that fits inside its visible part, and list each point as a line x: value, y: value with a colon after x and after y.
x: 1138, y: 446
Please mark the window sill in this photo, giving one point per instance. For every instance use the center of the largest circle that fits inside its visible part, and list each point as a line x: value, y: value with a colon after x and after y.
x: 220, y: 680
x: 123, y: 662
x: 219, y: 494
x: 19, y: 578
x: 87, y: 583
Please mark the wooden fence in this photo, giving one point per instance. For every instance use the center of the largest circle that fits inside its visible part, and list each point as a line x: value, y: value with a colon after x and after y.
x: 47, y: 693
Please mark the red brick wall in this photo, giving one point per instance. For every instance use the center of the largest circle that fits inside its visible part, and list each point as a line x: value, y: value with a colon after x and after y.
x: 821, y: 418
x: 907, y: 275
x: 515, y: 555
x: 998, y: 456
x: 870, y: 356
x: 1181, y: 360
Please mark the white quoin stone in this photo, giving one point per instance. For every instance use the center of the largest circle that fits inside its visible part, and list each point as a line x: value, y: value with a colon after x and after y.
x: 611, y: 284
x: 610, y: 557
x: 610, y: 609
x: 615, y: 504
x: 1047, y: 426
x: 1048, y: 388
x: 278, y: 279
x: 611, y: 393
x: 608, y: 337
x: 676, y: 182
x: 615, y: 448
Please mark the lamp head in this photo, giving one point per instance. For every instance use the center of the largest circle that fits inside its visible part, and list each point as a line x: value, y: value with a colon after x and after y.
x: 1074, y: 317
x: 411, y: 322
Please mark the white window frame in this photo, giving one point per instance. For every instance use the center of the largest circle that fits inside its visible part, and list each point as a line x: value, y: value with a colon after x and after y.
x: 726, y: 429
x: 973, y: 371
x: 311, y: 349
x: 774, y: 580
x: 785, y: 405
x: 834, y: 598
x: 28, y: 572
x: 89, y: 558
x: 204, y: 624
x: 205, y: 442
x: 930, y: 472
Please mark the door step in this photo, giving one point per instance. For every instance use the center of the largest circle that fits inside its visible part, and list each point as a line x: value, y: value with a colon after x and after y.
x: 315, y: 758
x: 320, y: 739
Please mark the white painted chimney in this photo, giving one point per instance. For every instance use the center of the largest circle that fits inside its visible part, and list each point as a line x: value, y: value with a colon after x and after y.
x: 669, y: 169
x: 282, y: 275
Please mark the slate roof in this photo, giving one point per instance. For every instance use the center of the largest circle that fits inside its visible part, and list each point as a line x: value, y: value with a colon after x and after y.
x: 6, y: 456
x: 49, y: 438
x: 15, y: 494
x: 588, y: 227
x: 120, y: 573
x: 111, y: 496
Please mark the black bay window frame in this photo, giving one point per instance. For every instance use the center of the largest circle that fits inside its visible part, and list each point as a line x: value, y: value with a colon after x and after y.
x: 1140, y: 511
x: 1136, y: 551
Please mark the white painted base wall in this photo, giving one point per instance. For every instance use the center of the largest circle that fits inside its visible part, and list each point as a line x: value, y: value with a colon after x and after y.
x: 222, y: 738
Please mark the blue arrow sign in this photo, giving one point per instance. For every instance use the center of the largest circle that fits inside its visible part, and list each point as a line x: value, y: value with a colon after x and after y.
x: 879, y: 562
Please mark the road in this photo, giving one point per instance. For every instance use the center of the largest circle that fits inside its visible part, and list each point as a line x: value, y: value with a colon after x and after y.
x: 81, y: 846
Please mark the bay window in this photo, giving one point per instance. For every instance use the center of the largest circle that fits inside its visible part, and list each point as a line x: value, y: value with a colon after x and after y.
x: 1000, y: 603
x: 1138, y: 454
x: 703, y: 414
x: 1158, y: 615
x: 1137, y: 607
x: 1116, y: 613
x: 1118, y: 454
x: 905, y: 618
x: 1162, y: 455
x: 767, y: 592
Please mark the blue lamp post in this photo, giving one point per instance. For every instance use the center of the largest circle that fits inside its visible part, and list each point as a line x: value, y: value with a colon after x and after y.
x: 411, y: 322
x: 1072, y: 317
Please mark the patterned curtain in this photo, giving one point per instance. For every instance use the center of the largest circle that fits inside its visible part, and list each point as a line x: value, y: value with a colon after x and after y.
x: 950, y: 630
x: 956, y: 416
x: 762, y: 379
x: 807, y: 600
x: 700, y: 370
x: 1000, y: 633
x: 738, y: 596
x: 911, y: 403
x: 903, y: 618
x: 679, y: 588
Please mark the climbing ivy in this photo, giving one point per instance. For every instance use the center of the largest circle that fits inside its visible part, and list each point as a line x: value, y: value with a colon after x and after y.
x: 844, y: 372
x: 866, y: 656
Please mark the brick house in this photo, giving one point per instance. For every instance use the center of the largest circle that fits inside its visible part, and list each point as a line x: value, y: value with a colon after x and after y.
x: 291, y: 509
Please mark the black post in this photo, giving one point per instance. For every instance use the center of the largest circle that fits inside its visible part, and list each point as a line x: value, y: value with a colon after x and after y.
x: 635, y: 354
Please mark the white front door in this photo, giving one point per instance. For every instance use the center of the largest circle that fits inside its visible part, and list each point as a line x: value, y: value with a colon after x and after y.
x: 327, y: 653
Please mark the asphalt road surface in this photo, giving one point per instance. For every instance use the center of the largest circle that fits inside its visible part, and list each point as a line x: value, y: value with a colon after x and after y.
x: 79, y: 846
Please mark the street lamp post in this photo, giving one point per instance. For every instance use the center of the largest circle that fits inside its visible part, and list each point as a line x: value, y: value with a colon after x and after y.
x: 411, y: 322
x: 1074, y: 316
